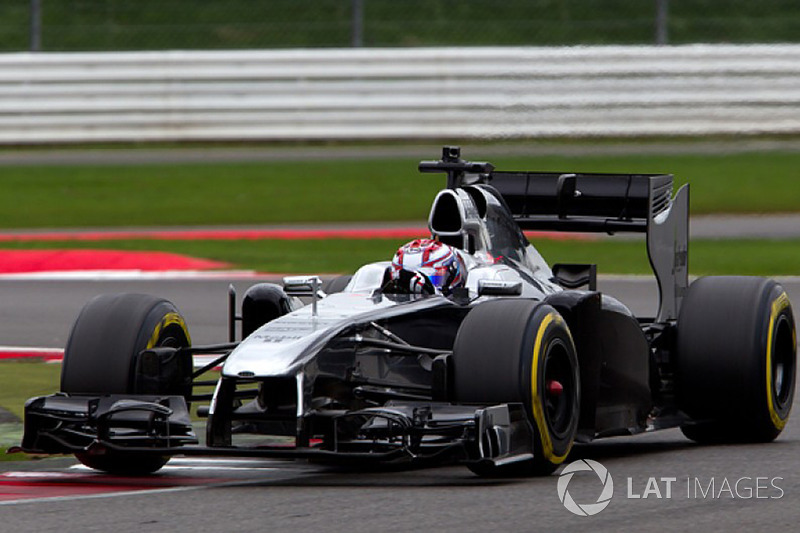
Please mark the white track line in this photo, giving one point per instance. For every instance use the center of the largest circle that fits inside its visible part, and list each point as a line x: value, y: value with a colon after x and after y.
x: 197, y: 468
x: 184, y: 463
x: 141, y: 492
x: 233, y: 461
x: 207, y: 464
x: 30, y: 350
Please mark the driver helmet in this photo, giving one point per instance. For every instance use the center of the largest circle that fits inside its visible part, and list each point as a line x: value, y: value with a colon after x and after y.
x: 431, y: 263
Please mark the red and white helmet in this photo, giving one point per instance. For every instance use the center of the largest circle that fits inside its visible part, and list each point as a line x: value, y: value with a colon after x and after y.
x: 440, y: 264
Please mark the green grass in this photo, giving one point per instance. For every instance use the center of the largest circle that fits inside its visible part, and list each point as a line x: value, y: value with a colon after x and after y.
x: 22, y: 380
x: 202, y: 24
x: 343, y: 190
x: 746, y: 257
x: 213, y: 194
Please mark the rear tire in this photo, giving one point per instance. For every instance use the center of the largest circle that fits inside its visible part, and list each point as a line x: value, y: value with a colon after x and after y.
x: 101, y: 357
x: 510, y: 351
x: 736, y: 359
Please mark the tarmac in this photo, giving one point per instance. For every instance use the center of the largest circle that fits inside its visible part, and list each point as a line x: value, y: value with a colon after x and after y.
x: 740, y: 226
x: 474, y: 150
x: 781, y: 226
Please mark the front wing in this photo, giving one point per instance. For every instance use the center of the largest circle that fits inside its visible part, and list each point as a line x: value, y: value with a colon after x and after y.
x: 394, y: 433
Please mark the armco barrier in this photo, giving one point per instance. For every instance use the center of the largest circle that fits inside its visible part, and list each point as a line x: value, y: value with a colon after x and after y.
x: 408, y: 93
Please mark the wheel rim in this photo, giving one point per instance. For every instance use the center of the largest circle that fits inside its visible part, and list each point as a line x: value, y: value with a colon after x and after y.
x: 172, y: 338
x: 175, y: 336
x: 783, y: 364
x: 559, y: 389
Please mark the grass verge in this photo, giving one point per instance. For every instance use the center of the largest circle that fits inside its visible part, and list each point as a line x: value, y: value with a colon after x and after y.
x: 20, y: 380
x: 344, y: 190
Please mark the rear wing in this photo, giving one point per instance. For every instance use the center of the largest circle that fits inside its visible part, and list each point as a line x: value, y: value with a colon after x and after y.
x: 604, y: 203
x: 595, y: 203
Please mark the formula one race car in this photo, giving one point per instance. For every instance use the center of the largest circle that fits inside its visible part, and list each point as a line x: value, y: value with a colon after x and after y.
x: 503, y: 367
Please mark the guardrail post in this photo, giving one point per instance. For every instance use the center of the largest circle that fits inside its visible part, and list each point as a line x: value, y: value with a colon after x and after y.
x: 662, y: 19
x: 36, y: 25
x: 358, y: 23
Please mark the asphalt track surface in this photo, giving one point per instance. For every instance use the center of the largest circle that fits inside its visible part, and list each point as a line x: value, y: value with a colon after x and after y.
x: 292, y: 152
x: 739, y: 226
x: 247, y: 495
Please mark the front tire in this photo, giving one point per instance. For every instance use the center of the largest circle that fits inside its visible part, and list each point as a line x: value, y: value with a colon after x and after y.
x: 736, y: 350
x: 521, y: 351
x: 101, y: 357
